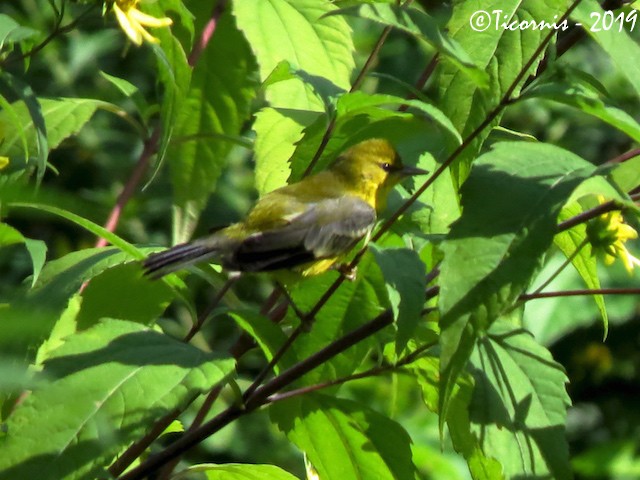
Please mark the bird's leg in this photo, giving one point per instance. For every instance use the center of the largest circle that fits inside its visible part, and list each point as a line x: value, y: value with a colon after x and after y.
x: 350, y: 273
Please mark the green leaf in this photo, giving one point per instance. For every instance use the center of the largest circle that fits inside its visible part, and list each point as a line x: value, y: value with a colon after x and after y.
x: 37, y: 248
x: 323, y: 88
x: 278, y: 132
x: 107, y: 296
x: 360, y: 116
x: 610, y: 459
x: 616, y: 42
x: 481, y: 465
x: 501, y: 52
x: 421, y: 25
x: 627, y: 175
x: 66, y: 325
x: 327, y: 51
x: 108, y: 385
x: 574, y: 240
x: 88, y: 225
x: 267, y: 335
x: 578, y: 91
x: 237, y: 471
x: 63, y: 117
x: 174, y: 74
x: 217, y: 103
x: 25, y: 94
x: 510, y: 205
x: 519, y: 406
x: 405, y: 280
x: 344, y: 439
x: 11, y: 31
x: 352, y: 305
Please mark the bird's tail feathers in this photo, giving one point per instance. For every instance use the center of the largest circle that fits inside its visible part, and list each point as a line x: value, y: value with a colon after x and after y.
x: 162, y: 263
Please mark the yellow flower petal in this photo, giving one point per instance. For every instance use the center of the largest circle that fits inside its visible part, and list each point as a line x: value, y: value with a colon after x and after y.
x: 126, y: 25
x: 626, y: 232
x: 149, y: 21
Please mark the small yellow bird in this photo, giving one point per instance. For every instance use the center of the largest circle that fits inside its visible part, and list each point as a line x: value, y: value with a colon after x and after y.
x: 305, y: 227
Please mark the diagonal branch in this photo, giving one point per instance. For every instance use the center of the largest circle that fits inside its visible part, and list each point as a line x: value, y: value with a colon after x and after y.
x: 258, y: 398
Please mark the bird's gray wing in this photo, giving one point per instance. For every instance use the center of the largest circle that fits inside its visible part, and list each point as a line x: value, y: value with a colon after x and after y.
x: 326, y: 229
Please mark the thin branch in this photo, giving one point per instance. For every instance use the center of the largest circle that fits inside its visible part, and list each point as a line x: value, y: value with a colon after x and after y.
x: 506, y: 98
x: 504, y: 101
x: 259, y: 397
x: 202, y: 318
x: 57, y: 30
x: 372, y: 372
x: 207, y: 32
x: 634, y: 152
x: 138, y: 448
x: 588, y: 215
x: 356, y: 84
x: 564, y: 265
x: 135, y: 450
x: 422, y: 80
x: 582, y: 292
x: 150, y: 148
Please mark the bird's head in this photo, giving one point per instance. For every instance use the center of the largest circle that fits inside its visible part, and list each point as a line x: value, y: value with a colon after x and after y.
x: 372, y: 168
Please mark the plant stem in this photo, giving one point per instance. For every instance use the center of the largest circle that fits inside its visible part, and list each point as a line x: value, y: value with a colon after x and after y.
x: 564, y: 265
x: 574, y: 293
x: 356, y: 84
x: 150, y: 148
x: 202, y: 318
x: 374, y: 371
x: 258, y: 398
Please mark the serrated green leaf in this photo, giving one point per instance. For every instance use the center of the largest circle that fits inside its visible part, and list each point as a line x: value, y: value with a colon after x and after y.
x: 344, y: 439
x: 174, y: 73
x: 352, y: 305
x: 579, y: 92
x: 519, y: 405
x: 325, y: 52
x: 501, y: 52
x: 11, y: 31
x: 24, y: 92
x: 481, y: 465
x: 323, y: 88
x: 109, y: 383
x: 267, y: 335
x: 106, y: 296
x: 617, y: 43
x: 494, y: 249
x: 66, y: 325
x: 88, y: 225
x: 360, y: 116
x: 574, y: 240
x: 279, y: 130
x: 627, y: 174
x: 237, y: 471
x: 217, y: 103
x: 63, y: 117
x: 421, y: 25
x: 405, y: 280
x: 37, y: 248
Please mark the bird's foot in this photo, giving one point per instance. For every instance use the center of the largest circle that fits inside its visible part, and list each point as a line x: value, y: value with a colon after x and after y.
x: 349, y: 273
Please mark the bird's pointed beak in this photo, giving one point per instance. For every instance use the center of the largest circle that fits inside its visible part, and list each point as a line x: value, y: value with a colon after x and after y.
x: 410, y: 171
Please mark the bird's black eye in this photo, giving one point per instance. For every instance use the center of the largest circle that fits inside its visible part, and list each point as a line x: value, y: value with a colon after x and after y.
x: 387, y: 167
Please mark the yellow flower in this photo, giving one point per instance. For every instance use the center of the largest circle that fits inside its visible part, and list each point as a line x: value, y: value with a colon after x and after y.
x: 133, y: 21
x: 608, y: 234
